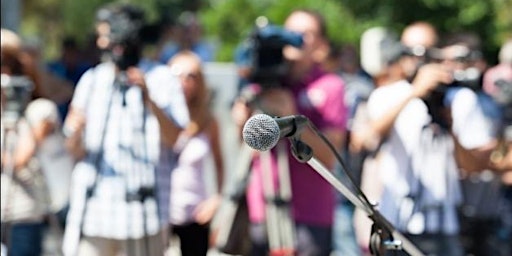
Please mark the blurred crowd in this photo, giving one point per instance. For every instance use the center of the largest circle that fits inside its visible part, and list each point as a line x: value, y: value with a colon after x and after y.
x: 114, y: 148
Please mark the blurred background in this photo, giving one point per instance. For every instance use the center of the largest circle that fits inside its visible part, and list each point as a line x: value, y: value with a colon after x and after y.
x: 48, y: 22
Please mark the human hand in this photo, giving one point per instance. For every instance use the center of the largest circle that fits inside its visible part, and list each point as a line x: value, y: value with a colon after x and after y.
x: 205, y: 211
x: 429, y: 77
x: 240, y: 112
x: 42, y: 129
x: 135, y: 77
x: 74, y: 123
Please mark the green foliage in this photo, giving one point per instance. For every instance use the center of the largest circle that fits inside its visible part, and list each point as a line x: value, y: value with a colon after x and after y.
x: 229, y: 21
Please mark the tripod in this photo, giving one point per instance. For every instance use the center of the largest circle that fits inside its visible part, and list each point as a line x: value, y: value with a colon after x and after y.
x: 280, y: 227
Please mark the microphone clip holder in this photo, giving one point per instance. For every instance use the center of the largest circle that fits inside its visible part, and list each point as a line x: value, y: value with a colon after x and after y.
x: 300, y: 150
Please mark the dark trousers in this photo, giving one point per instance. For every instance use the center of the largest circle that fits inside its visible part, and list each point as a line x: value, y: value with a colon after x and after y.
x: 481, y: 237
x: 24, y: 239
x: 311, y: 241
x: 433, y: 245
x: 193, y: 239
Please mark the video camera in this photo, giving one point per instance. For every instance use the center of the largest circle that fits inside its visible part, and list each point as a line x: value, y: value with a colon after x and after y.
x: 17, y: 91
x: 263, y: 51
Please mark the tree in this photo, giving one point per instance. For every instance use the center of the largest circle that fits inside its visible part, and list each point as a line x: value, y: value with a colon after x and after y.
x: 229, y: 21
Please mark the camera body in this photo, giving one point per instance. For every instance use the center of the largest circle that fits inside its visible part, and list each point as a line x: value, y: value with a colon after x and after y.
x: 17, y: 91
x: 469, y: 77
x: 263, y: 51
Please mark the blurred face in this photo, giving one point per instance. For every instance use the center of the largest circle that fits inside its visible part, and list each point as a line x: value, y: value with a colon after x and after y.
x: 454, y: 57
x: 308, y: 26
x: 103, y: 33
x: 421, y: 37
x: 188, y: 71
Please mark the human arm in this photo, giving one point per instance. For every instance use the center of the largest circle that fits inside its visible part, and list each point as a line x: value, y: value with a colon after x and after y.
x: 74, y: 128
x: 169, y: 129
x: 427, y: 79
x: 24, y: 146
x: 473, y: 129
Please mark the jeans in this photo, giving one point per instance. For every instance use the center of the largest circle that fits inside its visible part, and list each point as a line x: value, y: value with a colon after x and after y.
x: 311, y: 240
x: 25, y: 239
x: 433, y: 245
x: 344, y: 238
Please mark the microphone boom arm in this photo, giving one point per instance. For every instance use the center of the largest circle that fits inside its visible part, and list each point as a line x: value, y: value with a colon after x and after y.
x: 303, y: 153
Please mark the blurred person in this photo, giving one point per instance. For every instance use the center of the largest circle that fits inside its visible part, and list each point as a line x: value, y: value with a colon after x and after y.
x: 51, y: 86
x: 426, y: 139
x: 309, y: 90
x: 121, y: 127
x: 497, y: 83
x: 24, y: 203
x: 69, y: 66
x: 187, y: 35
x: 344, y: 61
x: 56, y: 162
x: 193, y: 205
x: 486, y: 213
x: 419, y: 37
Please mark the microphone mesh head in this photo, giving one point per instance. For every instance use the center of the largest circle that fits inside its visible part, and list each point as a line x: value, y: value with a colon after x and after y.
x: 261, y: 132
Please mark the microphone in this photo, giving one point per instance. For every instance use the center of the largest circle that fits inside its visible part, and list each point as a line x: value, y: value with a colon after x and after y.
x: 262, y: 132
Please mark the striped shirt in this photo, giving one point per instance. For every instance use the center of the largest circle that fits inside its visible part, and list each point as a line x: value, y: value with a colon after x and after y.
x: 124, y: 154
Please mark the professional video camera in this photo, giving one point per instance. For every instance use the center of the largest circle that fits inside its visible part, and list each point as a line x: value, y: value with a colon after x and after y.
x: 126, y: 23
x: 17, y: 91
x: 263, y: 50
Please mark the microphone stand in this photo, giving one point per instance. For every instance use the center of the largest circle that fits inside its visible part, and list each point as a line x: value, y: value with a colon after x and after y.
x: 383, y: 233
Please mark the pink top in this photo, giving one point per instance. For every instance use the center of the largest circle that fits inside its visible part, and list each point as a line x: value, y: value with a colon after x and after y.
x: 320, y: 98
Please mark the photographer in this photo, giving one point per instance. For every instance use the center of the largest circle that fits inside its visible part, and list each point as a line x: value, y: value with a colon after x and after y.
x: 308, y: 90
x: 23, y: 204
x: 425, y: 141
x: 487, y: 207
x: 121, y: 128
x: 498, y: 84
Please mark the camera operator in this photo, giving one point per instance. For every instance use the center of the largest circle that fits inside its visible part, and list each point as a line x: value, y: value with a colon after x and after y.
x: 121, y: 128
x: 487, y: 207
x: 308, y: 90
x: 23, y: 205
x: 421, y: 155
x: 498, y: 84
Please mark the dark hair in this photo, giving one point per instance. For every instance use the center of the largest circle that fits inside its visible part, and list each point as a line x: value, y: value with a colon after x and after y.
x: 126, y: 24
x: 469, y: 39
x: 126, y: 21
x: 11, y: 59
x: 322, y: 24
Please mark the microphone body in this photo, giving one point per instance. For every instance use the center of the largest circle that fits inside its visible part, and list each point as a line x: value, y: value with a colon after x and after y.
x: 262, y: 132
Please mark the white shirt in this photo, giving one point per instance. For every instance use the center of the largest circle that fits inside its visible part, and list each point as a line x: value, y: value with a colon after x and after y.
x: 399, y: 154
x: 188, y: 180
x: 132, y: 155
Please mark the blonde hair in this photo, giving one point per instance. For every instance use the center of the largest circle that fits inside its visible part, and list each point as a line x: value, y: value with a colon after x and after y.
x: 199, y: 103
x: 9, y: 40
